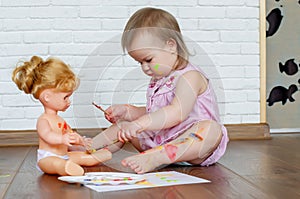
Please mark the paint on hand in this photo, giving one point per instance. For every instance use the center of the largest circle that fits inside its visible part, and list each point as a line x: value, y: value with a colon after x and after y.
x: 171, y: 151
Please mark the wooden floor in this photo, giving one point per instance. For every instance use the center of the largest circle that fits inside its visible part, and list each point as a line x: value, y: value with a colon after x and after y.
x: 250, y: 169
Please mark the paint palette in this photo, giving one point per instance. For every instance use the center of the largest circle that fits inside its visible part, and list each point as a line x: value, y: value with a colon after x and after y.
x: 102, y: 178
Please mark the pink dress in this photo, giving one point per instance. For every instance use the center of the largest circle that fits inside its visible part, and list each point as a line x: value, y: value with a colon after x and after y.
x: 160, y: 93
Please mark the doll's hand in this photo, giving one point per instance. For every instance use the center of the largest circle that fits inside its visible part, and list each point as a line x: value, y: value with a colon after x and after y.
x: 71, y: 137
x: 66, y: 139
x: 78, y: 138
x: 128, y: 130
x: 116, y: 112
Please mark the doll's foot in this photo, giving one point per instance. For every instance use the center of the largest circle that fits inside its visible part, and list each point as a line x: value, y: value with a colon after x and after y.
x: 73, y: 169
x: 102, y: 155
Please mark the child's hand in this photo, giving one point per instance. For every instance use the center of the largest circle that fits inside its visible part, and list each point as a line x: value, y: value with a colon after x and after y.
x: 116, y: 112
x: 128, y: 130
x: 87, y: 143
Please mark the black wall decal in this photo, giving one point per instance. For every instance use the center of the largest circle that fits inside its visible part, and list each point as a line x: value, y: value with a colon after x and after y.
x: 274, y: 19
x: 279, y: 93
x: 290, y: 67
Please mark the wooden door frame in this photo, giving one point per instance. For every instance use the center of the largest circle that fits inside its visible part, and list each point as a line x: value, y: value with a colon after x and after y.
x: 263, y: 79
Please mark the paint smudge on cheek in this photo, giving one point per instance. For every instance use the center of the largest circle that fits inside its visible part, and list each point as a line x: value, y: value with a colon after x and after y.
x: 155, y: 67
x: 171, y: 151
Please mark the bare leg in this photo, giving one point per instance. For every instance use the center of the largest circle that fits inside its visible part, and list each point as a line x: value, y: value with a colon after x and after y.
x: 106, y: 138
x: 84, y: 159
x: 195, y: 145
x: 56, y: 165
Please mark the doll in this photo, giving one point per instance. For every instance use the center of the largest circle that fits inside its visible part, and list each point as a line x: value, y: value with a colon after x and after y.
x: 52, y: 82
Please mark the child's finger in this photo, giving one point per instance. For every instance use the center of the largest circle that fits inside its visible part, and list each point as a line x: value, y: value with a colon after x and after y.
x: 120, y: 137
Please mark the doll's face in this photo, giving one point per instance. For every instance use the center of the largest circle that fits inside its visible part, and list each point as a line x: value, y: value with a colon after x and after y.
x: 58, y: 101
x: 157, y: 58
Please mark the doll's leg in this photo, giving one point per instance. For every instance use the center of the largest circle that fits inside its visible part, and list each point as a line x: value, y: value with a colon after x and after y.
x: 106, y: 138
x: 85, y: 159
x: 195, y: 145
x: 56, y: 165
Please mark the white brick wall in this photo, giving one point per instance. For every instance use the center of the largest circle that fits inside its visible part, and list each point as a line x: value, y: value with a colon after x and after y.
x: 78, y: 31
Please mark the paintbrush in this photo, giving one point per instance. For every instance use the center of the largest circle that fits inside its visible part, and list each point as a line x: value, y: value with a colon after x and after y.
x: 105, y: 146
x: 100, y: 108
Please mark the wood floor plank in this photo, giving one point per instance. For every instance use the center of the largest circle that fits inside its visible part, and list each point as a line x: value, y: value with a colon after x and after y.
x: 277, y: 185
x: 11, y: 159
x: 256, y: 158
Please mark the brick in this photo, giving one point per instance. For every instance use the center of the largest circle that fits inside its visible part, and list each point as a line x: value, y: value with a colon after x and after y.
x: 26, y: 24
x: 76, y: 24
x: 48, y: 37
x: 21, y: 3
x: 10, y: 38
x: 202, y: 12
x: 103, y: 11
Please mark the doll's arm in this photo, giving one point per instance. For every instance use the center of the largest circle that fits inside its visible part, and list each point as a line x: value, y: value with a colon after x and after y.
x: 189, y: 86
x: 46, y: 133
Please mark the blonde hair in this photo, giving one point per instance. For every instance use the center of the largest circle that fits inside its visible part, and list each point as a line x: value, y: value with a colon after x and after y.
x: 36, y: 75
x: 159, y: 23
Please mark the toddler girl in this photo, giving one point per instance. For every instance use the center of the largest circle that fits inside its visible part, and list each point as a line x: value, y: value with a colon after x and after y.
x: 180, y: 122
x: 52, y: 82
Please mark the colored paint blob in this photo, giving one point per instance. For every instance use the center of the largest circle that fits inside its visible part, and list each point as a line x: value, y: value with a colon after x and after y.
x: 171, y: 151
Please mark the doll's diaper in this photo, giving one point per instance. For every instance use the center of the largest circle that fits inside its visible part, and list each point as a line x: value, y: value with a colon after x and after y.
x: 43, y: 154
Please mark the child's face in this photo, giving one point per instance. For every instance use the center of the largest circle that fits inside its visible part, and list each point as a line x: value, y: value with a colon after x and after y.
x: 157, y: 58
x: 58, y: 101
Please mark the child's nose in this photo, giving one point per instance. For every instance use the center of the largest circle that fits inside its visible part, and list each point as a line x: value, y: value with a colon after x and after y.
x: 145, y: 66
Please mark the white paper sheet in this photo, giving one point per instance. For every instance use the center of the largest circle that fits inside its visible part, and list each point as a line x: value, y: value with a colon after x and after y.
x: 148, y: 180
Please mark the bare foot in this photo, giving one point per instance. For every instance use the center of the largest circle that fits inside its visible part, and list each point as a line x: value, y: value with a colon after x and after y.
x: 145, y: 162
x: 102, y: 155
x: 73, y: 169
x: 160, y: 155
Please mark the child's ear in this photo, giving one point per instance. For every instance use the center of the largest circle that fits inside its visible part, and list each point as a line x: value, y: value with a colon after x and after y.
x: 171, y: 43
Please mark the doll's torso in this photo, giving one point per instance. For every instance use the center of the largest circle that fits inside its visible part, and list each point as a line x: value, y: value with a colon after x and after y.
x: 59, y: 127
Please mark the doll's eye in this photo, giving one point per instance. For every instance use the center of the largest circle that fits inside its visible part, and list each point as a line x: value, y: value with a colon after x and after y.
x: 66, y: 97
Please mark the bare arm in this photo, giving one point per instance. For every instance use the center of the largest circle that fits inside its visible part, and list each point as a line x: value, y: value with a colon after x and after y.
x: 124, y: 112
x: 188, y: 87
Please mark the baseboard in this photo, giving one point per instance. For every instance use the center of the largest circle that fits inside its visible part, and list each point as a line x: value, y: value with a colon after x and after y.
x: 235, y: 132
x: 251, y: 131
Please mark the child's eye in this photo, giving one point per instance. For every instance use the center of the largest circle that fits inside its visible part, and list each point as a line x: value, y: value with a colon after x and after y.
x: 148, y: 60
